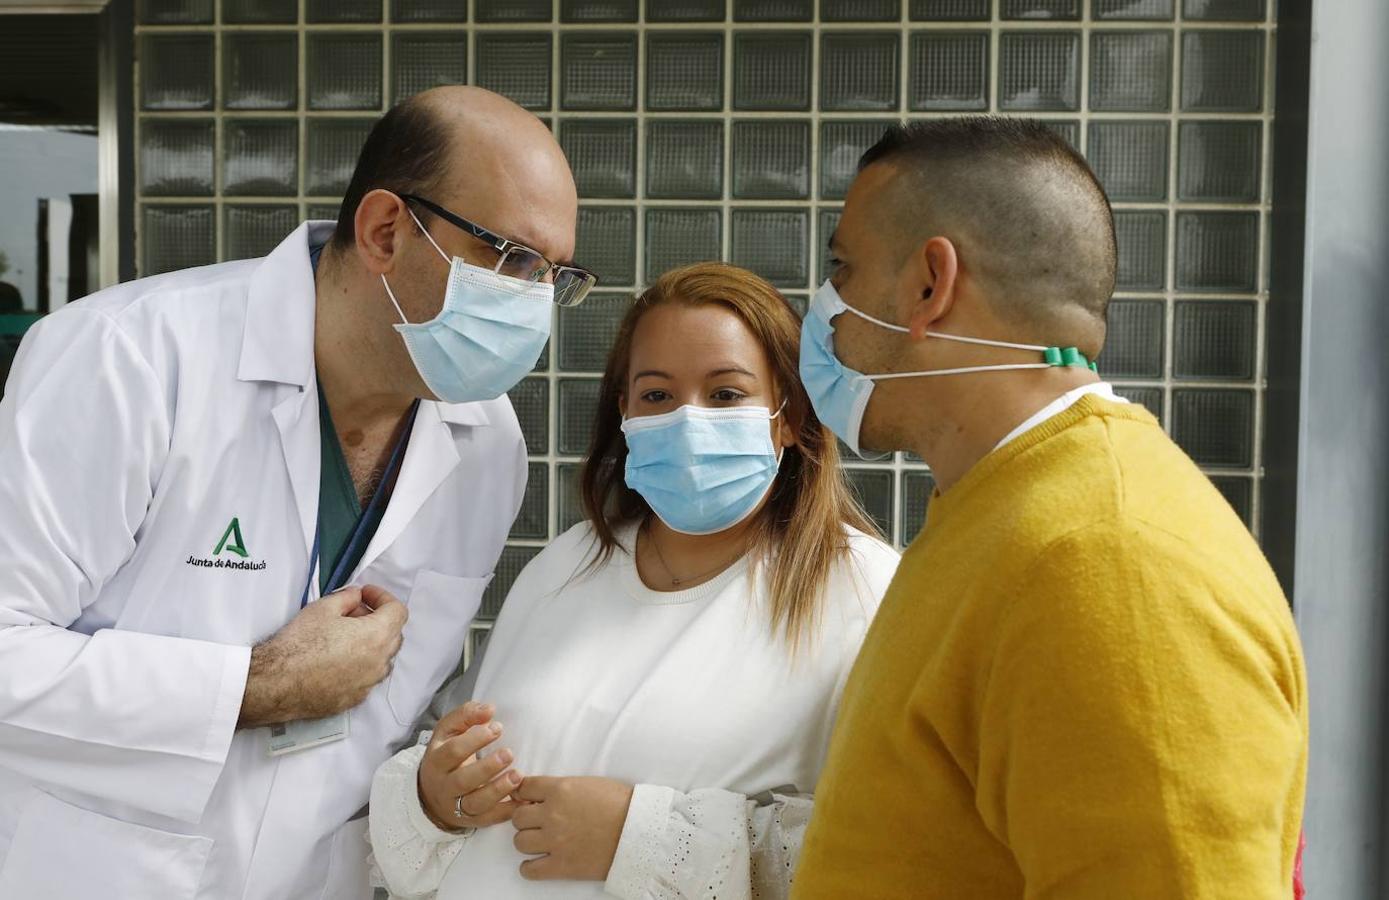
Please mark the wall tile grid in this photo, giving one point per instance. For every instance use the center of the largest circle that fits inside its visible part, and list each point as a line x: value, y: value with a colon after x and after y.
x: 730, y: 129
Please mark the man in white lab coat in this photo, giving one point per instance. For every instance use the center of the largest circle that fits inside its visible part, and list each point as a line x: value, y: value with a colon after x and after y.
x: 189, y: 461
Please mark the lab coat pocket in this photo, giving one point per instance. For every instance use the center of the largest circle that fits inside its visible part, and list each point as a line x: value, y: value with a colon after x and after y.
x: 64, y: 852
x: 441, y: 608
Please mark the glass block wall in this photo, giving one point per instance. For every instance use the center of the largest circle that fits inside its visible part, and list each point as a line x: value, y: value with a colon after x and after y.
x: 730, y: 129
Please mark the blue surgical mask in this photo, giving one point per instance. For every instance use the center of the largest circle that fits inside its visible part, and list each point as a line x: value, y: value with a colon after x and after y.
x: 702, y: 470
x: 840, y: 395
x: 487, y: 336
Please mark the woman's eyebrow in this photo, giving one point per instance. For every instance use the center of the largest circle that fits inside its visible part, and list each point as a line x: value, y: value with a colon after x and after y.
x: 731, y: 370
x: 653, y: 373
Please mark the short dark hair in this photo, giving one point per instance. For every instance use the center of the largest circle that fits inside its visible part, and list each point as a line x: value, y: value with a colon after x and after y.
x: 1040, y: 221
x: 405, y: 153
x: 972, y: 137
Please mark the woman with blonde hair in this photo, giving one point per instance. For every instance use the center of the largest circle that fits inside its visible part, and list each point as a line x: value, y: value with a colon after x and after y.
x: 667, y: 670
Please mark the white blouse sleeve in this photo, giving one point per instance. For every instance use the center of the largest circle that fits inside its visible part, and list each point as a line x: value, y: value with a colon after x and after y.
x: 409, y: 853
x: 708, y: 844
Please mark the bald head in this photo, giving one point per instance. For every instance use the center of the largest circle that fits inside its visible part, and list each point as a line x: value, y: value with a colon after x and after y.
x: 476, y: 153
x: 1028, y: 219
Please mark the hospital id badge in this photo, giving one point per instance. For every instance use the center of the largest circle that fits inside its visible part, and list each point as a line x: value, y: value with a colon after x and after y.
x: 291, y: 737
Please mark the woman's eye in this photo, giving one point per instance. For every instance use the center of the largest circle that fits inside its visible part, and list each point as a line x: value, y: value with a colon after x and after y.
x: 728, y: 395
x: 655, y: 396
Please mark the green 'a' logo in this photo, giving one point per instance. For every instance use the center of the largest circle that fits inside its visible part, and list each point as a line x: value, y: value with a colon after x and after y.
x: 231, y: 540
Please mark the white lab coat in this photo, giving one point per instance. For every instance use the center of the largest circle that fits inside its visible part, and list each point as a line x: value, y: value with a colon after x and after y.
x: 136, y: 425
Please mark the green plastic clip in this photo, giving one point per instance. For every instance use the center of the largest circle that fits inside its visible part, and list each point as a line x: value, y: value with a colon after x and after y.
x: 1094, y: 367
x: 1067, y: 356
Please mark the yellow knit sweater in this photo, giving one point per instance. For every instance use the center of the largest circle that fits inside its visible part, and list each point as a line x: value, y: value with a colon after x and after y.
x: 1084, y: 682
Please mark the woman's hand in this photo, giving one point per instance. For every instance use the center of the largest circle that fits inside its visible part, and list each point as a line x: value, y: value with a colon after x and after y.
x: 575, y: 823
x: 451, y: 770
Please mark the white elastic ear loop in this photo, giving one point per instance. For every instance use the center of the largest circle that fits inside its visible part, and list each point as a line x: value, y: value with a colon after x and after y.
x: 865, y: 316
x: 963, y: 371
x: 945, y: 337
x: 780, y: 451
x: 520, y: 286
x: 983, y: 341
x: 958, y: 339
x: 429, y: 236
x: 390, y: 293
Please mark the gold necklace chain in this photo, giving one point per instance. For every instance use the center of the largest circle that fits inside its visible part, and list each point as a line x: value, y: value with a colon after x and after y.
x: 674, y: 580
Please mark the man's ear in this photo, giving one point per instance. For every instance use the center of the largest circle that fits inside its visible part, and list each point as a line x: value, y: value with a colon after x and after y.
x: 933, y: 270
x: 381, y: 222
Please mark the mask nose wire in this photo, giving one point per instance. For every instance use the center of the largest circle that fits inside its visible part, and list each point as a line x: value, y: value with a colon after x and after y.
x: 769, y: 418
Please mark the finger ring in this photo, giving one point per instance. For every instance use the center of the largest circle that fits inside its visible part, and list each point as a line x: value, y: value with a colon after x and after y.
x: 458, y: 812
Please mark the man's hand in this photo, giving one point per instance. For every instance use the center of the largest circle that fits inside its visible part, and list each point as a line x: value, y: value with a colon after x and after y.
x: 575, y: 822
x: 451, y: 770
x: 327, y: 659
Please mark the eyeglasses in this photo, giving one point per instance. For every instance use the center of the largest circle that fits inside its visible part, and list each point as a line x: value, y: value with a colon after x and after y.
x: 571, y: 283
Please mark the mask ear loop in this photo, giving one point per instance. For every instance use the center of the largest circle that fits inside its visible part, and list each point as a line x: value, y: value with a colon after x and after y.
x: 984, y: 342
x: 1055, y: 356
x: 505, y: 281
x: 780, y: 451
x: 390, y: 293
x: 961, y: 371
x: 428, y: 236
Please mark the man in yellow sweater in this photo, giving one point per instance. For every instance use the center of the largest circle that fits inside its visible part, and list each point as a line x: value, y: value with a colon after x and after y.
x: 1084, y: 681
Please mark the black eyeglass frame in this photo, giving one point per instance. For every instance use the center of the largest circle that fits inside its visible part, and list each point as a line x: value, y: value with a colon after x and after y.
x: 584, y: 278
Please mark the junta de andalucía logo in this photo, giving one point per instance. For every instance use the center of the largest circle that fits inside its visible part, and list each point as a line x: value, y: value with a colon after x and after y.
x: 230, y: 552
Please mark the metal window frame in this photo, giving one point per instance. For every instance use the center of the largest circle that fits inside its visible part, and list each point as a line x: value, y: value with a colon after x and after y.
x: 116, y: 140
x: 52, y: 7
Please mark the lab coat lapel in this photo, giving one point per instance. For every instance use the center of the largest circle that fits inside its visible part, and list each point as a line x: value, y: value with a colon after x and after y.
x: 431, y: 457
x: 297, y: 420
x: 277, y: 345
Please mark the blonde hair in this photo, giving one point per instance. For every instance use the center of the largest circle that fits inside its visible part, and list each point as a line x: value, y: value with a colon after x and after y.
x: 802, y: 531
